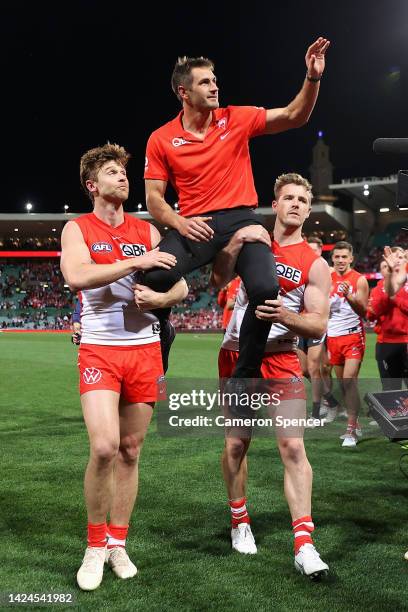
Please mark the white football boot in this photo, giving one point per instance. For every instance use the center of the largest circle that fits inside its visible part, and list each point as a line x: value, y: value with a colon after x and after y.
x: 350, y: 439
x: 358, y: 432
x: 309, y: 563
x: 118, y: 559
x: 243, y: 540
x: 90, y: 574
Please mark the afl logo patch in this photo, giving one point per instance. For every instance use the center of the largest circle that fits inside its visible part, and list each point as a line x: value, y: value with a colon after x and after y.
x: 100, y: 247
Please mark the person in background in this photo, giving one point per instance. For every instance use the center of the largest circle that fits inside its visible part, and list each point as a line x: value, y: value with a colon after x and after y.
x: 391, y: 316
x: 226, y: 300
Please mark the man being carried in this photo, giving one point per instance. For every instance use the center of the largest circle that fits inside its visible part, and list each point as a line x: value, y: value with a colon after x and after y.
x: 204, y: 154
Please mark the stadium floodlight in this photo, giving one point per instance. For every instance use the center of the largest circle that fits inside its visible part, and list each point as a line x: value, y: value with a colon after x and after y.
x: 366, y: 192
x: 29, y: 207
x: 366, y: 186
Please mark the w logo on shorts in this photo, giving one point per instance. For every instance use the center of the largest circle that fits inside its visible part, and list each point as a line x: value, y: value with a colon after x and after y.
x: 92, y: 375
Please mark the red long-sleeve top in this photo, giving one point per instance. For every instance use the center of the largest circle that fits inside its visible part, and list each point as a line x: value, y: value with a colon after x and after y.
x: 391, y: 314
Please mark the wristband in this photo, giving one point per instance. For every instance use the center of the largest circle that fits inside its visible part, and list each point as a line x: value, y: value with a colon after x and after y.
x: 313, y: 79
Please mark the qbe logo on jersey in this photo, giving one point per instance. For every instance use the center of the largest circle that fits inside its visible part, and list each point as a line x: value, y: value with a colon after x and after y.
x: 288, y: 272
x: 133, y: 250
x: 91, y: 376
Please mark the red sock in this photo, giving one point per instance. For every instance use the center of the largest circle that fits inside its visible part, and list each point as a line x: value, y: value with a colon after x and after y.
x: 97, y: 535
x: 302, y: 528
x: 117, y: 535
x: 239, y: 512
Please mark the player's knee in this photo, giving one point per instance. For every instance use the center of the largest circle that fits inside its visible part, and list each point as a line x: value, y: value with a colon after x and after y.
x: 266, y: 289
x: 161, y: 280
x: 314, y: 368
x: 130, y: 448
x: 325, y: 370
x: 350, y: 383
x: 104, y: 451
x: 292, y: 450
x: 235, y: 448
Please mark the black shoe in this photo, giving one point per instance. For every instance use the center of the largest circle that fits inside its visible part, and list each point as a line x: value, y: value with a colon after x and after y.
x: 239, y: 398
x: 167, y: 335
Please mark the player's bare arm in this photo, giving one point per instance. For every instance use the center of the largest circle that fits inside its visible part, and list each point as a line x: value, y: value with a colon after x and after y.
x: 147, y: 299
x: 224, y: 265
x: 298, y: 111
x: 359, y: 301
x: 194, y: 228
x: 312, y: 323
x: 81, y: 273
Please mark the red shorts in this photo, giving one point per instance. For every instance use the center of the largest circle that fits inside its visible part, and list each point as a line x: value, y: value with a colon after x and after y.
x: 350, y: 346
x: 282, y: 367
x: 135, y: 372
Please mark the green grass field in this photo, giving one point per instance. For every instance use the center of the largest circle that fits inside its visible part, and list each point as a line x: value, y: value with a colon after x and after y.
x: 180, y: 527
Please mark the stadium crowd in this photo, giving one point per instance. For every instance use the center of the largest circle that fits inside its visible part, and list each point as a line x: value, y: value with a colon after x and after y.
x: 32, y: 293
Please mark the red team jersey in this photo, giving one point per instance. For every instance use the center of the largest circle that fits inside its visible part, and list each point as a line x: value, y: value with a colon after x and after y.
x: 391, y: 314
x: 345, y: 331
x: 109, y: 314
x: 120, y: 345
x: 280, y: 361
x: 293, y: 263
x: 210, y: 174
x: 228, y: 293
x: 343, y: 320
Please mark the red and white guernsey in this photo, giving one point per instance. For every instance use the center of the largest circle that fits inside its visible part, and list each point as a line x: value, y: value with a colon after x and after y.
x: 109, y: 314
x: 292, y: 266
x: 343, y: 320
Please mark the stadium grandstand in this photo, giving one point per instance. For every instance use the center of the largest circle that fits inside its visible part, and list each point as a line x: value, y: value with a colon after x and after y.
x: 33, y: 294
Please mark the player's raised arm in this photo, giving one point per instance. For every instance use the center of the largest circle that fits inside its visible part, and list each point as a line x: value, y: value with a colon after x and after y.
x: 298, y: 111
x: 81, y: 273
x: 397, y: 268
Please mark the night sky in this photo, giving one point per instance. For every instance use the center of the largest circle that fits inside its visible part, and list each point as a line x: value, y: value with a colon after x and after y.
x: 76, y: 74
